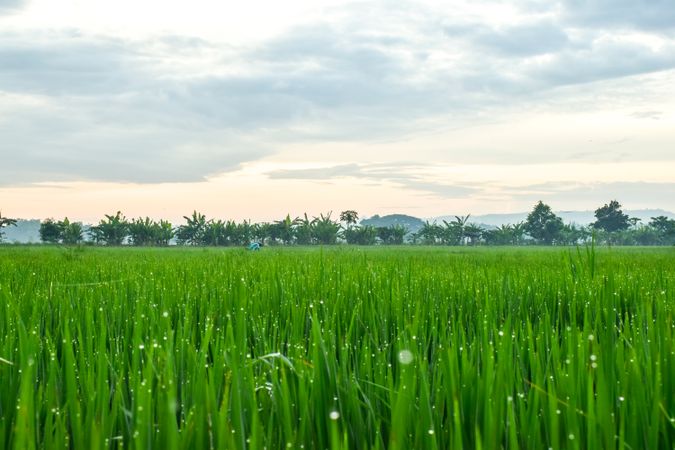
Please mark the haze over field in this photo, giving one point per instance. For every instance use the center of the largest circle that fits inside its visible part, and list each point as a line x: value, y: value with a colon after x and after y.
x: 254, y: 111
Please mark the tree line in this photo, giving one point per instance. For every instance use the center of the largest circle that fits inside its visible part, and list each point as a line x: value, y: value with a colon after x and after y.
x: 542, y: 227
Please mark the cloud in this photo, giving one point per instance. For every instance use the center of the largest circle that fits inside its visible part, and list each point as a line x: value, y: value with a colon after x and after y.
x: 520, y: 40
x: 181, y: 108
x: 653, y: 15
x: 8, y: 6
x: 604, y: 60
x: 318, y: 173
x: 631, y: 194
x: 404, y: 175
x: 654, y: 115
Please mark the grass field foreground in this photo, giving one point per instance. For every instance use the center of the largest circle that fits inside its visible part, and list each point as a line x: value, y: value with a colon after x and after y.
x: 399, y: 348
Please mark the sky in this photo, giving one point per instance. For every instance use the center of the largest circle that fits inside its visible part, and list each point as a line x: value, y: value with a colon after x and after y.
x: 252, y: 110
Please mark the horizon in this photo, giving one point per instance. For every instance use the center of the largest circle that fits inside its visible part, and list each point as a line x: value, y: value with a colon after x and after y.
x: 174, y: 220
x: 418, y: 107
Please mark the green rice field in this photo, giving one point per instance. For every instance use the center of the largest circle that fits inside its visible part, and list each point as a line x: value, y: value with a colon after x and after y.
x: 336, y: 348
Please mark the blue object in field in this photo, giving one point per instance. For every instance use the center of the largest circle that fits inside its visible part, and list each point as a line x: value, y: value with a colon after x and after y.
x: 254, y: 246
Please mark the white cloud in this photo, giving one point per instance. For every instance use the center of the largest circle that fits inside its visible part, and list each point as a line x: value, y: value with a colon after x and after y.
x: 157, y: 92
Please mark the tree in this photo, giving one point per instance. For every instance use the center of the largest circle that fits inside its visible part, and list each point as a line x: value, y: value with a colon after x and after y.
x: 146, y: 231
x: 261, y: 232
x: 502, y: 235
x: 570, y: 234
x: 543, y: 225
x: 163, y: 232
x: 392, y: 235
x: 665, y: 228
x: 111, y: 231
x: 429, y: 234
x: 5, y: 222
x: 518, y: 231
x: 192, y: 233
x: 473, y: 232
x: 350, y: 217
x: 50, y: 231
x: 610, y: 218
x: 325, y: 230
x: 285, y: 229
x: 363, y: 235
x: 71, y: 232
x: 141, y: 231
x: 214, y: 233
x: 303, y: 230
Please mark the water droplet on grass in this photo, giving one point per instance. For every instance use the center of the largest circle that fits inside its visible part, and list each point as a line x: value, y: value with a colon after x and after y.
x: 405, y: 357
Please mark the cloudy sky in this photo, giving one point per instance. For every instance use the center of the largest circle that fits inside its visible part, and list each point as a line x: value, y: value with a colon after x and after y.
x: 261, y: 108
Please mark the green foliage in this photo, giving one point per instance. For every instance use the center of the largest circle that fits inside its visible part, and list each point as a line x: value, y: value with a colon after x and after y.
x: 610, y: 218
x: 543, y: 225
x: 325, y: 231
x: 194, y: 231
x: 71, y: 232
x: 665, y: 229
x: 429, y: 234
x: 50, y: 231
x: 148, y: 232
x: 505, y: 234
x: 112, y: 230
x: 339, y: 348
x: 63, y: 231
x: 350, y: 217
x: 392, y: 235
x: 361, y: 235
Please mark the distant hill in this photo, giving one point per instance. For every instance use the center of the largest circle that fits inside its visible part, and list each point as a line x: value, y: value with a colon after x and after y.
x: 413, y: 224
x: 576, y: 217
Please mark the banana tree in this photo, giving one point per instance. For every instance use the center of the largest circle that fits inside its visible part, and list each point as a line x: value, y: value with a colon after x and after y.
x: 285, y: 229
x: 112, y: 230
x: 325, y: 230
x: 303, y: 230
x: 192, y: 233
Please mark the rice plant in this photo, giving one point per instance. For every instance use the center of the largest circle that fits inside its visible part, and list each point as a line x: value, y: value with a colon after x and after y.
x: 346, y: 347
